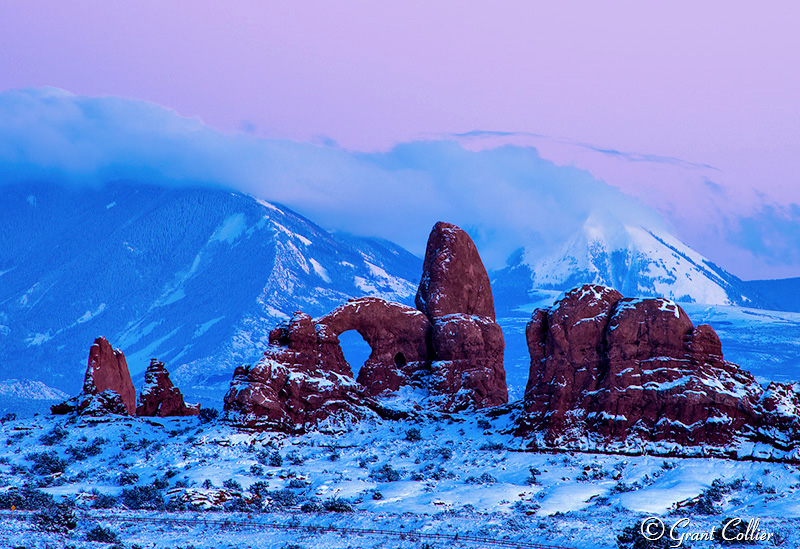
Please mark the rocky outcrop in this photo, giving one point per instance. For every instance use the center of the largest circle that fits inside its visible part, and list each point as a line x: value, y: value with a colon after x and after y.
x: 467, y: 344
x: 301, y: 379
x: 107, y: 375
x: 454, y: 279
x: 467, y: 370
x: 159, y: 397
x: 614, y: 373
x: 449, y: 347
x: 108, y: 389
x: 397, y: 336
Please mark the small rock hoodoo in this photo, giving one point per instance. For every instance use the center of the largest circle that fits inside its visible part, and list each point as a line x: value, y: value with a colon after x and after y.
x: 159, y: 397
x: 108, y: 389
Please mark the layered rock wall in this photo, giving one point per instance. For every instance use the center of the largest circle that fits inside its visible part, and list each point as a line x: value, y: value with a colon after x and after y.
x: 610, y: 372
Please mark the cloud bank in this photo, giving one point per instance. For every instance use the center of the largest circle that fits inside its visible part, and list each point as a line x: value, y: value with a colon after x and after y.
x: 506, y: 197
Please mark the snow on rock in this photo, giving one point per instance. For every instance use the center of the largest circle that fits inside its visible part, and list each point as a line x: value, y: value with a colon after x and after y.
x: 106, y: 375
x: 450, y: 348
x: 295, y: 385
x: 159, y: 397
x: 610, y: 373
x: 454, y: 279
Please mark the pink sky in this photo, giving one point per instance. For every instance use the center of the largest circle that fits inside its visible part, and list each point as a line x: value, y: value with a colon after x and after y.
x: 710, y: 82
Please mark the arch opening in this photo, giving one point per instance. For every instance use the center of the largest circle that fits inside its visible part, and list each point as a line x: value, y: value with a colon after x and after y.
x: 356, y: 351
x: 400, y: 360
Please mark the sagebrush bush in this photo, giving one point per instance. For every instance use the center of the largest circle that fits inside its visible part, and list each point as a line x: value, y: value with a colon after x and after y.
x: 144, y: 497
x: 47, y: 463
x: 58, y: 518
x: 27, y: 497
x: 56, y: 435
x: 105, y: 535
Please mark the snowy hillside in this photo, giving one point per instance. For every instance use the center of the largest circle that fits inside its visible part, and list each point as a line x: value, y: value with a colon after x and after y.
x: 632, y: 259
x: 460, y: 474
x: 195, y: 277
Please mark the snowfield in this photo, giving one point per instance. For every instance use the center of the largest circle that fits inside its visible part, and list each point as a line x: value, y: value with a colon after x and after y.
x: 444, y: 474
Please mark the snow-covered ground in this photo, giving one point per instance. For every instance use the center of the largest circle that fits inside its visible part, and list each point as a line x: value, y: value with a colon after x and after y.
x: 444, y: 474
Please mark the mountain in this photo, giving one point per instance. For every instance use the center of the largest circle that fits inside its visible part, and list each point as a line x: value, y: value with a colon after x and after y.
x: 193, y: 276
x: 782, y: 294
x: 631, y: 259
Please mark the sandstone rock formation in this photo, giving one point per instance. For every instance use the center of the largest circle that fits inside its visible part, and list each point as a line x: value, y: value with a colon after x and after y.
x: 454, y: 279
x: 450, y: 347
x: 467, y: 344
x: 610, y: 372
x: 108, y: 389
x: 396, y: 334
x: 295, y: 384
x: 106, y: 375
x: 159, y: 397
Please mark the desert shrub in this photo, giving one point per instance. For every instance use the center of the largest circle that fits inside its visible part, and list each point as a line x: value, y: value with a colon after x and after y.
x: 492, y: 446
x: 259, y: 488
x: 236, y: 505
x: 56, y: 435
x: 311, y: 507
x: 231, y: 484
x: 256, y: 470
x: 58, y: 518
x: 81, y: 452
x: 532, y: 480
x: 143, y: 497
x: 294, y: 458
x: 620, y: 487
x: 128, y: 477
x: 47, y: 463
x: 104, y: 501
x: 444, y: 453
x: 526, y: 507
x: 27, y: 497
x: 484, y: 424
x: 385, y: 474
x: 485, y: 478
x: 297, y: 483
x: 337, y: 505
x: 283, y: 498
x: 207, y: 415
x: 207, y: 484
x: 105, y: 535
x: 273, y: 459
x: 376, y: 495
x: 8, y: 417
x: 413, y: 435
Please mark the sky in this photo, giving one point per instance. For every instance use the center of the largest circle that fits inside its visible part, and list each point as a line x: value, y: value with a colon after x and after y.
x: 693, y: 108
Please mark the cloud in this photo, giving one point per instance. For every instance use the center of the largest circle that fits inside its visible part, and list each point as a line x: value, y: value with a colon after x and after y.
x: 771, y: 234
x: 505, y: 197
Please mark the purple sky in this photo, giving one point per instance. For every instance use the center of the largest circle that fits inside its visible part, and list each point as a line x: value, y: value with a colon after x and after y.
x: 707, y: 82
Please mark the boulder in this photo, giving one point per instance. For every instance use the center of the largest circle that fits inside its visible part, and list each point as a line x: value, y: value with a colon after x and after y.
x: 159, y: 397
x: 610, y: 372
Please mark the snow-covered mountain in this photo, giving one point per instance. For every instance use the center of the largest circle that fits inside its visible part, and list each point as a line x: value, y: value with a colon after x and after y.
x: 193, y: 276
x: 635, y: 260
